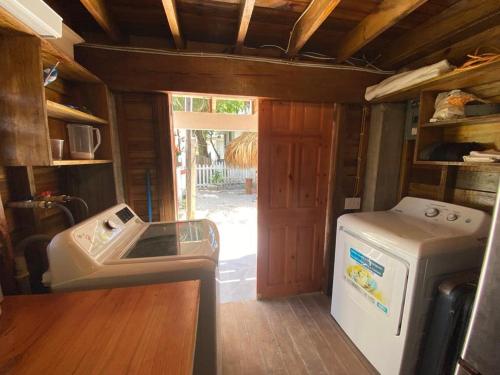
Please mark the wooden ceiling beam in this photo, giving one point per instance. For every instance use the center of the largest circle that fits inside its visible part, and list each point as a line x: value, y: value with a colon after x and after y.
x: 309, y: 21
x: 100, y: 12
x: 160, y: 70
x: 388, y: 13
x: 173, y: 22
x: 246, y: 10
x: 456, y: 53
x: 439, y: 31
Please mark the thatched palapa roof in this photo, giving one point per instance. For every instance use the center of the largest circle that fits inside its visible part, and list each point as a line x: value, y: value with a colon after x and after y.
x: 242, y: 151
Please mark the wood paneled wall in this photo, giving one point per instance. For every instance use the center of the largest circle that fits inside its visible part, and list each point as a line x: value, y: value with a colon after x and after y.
x: 467, y: 186
x: 145, y: 138
x: 348, y: 165
x: 19, y: 183
x: 93, y: 183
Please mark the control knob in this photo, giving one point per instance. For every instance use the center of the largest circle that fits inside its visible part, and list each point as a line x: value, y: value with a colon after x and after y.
x: 431, y: 212
x: 111, y: 224
x: 452, y: 217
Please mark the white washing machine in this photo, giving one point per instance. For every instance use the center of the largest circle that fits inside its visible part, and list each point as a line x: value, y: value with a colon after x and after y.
x: 387, y: 267
x: 116, y: 248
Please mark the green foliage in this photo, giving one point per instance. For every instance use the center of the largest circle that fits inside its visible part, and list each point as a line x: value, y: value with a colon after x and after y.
x: 201, y: 105
x: 217, y: 178
x: 178, y: 103
x: 181, y: 104
x: 231, y: 106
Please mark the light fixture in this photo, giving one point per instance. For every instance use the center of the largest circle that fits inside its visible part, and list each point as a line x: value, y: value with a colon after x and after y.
x: 36, y: 15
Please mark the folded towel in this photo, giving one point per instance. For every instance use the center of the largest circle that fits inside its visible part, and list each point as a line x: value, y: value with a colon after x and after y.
x: 479, y: 159
x: 492, y: 154
x: 406, y: 79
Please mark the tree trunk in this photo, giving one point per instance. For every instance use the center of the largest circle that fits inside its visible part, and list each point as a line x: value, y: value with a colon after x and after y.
x: 202, y: 144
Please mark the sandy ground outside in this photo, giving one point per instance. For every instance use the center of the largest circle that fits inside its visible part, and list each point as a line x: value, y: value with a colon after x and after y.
x: 235, y: 214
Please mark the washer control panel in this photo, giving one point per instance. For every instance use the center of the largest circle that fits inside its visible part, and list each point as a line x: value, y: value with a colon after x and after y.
x: 446, y: 214
x: 431, y: 212
x: 101, y: 231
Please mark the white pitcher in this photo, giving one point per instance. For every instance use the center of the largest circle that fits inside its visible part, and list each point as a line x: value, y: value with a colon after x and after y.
x: 81, y: 141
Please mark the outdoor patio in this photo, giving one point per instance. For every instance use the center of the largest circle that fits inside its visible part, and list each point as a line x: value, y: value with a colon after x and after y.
x: 235, y: 214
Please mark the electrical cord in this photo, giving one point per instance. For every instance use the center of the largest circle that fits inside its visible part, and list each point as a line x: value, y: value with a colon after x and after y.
x: 295, y: 25
x: 231, y: 57
x: 320, y: 56
x: 83, y: 203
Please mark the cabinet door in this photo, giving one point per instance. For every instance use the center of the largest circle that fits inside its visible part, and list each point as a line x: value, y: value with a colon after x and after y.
x: 294, y: 159
x: 24, y: 135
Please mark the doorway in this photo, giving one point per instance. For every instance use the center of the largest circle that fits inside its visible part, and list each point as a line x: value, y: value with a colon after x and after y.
x: 295, y: 150
x: 216, y: 170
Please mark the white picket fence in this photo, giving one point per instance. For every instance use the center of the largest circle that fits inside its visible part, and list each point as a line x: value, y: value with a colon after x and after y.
x: 219, y: 174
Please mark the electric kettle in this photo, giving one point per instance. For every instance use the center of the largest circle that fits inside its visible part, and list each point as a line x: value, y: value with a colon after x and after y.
x: 81, y: 141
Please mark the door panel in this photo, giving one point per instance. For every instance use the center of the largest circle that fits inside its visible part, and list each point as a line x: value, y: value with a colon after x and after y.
x: 305, y: 263
x: 281, y: 164
x: 294, y: 157
x: 308, y: 172
x: 277, y: 236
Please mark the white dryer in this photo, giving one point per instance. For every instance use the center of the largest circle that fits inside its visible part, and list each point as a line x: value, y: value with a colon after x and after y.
x: 387, y: 267
x: 116, y: 248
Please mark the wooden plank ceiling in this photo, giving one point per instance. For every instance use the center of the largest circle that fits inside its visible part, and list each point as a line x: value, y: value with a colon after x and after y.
x: 378, y: 31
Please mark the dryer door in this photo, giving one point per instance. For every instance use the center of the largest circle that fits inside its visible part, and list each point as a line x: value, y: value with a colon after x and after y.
x: 376, y: 281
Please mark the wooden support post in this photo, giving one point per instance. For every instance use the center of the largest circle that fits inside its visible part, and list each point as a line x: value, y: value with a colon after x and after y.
x: 447, y: 180
x: 190, y: 176
x: 406, y: 164
x: 6, y: 255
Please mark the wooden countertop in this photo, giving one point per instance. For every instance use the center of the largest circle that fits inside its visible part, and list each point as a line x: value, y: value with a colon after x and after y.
x: 140, y: 330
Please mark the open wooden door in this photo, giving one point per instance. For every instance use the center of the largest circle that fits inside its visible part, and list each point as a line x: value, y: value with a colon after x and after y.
x: 294, y: 161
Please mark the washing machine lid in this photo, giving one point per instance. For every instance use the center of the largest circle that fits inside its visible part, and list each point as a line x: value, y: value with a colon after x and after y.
x: 406, y: 229
x: 172, y: 241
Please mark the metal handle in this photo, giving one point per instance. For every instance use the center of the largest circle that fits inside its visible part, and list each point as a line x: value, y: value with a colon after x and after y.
x: 98, y: 136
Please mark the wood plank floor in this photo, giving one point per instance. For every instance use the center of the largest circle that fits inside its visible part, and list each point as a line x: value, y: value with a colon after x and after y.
x: 294, y: 335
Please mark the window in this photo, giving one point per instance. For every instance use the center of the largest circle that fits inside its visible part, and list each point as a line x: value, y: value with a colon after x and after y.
x: 235, y: 106
x: 190, y: 104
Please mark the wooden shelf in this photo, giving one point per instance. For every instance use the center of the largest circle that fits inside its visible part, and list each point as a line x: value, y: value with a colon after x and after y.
x: 68, y: 68
x: 481, y: 166
x: 62, y: 112
x: 80, y: 162
x: 473, y: 120
x: 455, y: 79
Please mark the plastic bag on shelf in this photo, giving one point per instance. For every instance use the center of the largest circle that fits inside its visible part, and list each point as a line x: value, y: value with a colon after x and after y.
x: 450, y: 105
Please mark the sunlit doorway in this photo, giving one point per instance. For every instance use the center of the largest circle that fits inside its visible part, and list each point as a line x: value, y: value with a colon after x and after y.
x: 216, y: 170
